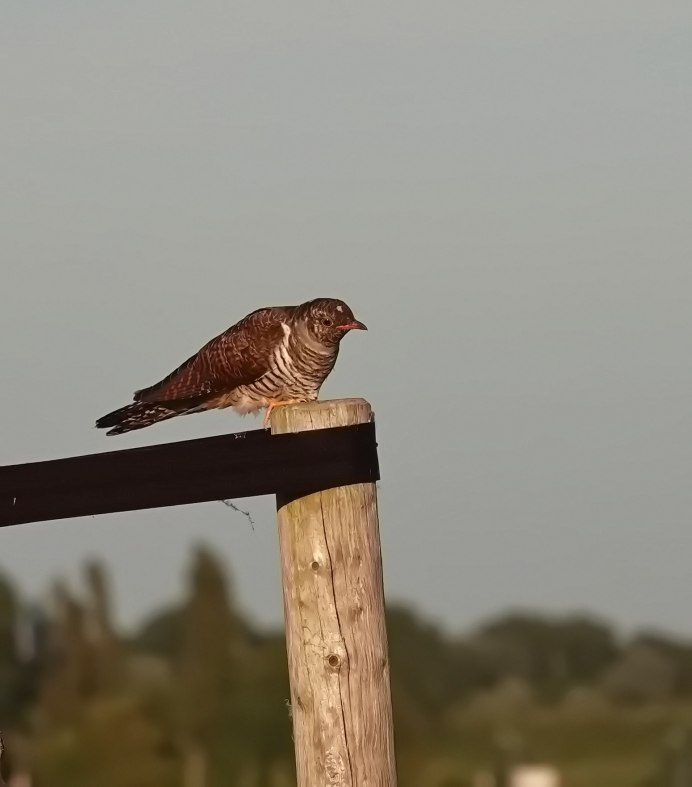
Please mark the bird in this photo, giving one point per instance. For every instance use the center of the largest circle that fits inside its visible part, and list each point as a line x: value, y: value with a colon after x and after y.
x: 274, y: 356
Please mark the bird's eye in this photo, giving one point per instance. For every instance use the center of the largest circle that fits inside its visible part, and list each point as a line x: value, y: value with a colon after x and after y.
x: 326, y: 322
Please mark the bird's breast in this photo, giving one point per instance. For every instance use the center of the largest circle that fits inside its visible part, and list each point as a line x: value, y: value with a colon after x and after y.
x: 295, y: 371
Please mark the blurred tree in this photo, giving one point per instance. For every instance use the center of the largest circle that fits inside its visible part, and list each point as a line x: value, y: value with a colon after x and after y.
x: 110, y: 745
x: 8, y: 660
x: 162, y: 634
x: 90, y: 726
x: 422, y: 661
x: 17, y: 670
x: 256, y: 731
x: 212, y: 647
x: 550, y: 654
x: 68, y: 677
x: 510, y: 699
x: 643, y: 674
x: 677, y: 652
x: 107, y: 656
x: 200, y: 699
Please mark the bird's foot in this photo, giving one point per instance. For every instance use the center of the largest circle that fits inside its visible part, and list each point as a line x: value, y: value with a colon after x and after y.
x: 276, y: 403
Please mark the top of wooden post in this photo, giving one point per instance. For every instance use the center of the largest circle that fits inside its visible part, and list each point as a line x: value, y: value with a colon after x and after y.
x: 323, y: 414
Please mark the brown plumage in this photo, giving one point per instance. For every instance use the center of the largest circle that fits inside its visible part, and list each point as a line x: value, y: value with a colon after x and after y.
x: 276, y: 355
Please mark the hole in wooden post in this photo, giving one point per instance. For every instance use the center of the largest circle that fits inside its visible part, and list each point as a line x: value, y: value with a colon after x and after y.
x: 334, y: 661
x: 315, y: 566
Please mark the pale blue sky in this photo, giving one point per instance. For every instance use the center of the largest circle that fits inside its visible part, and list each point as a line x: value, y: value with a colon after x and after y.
x: 500, y: 190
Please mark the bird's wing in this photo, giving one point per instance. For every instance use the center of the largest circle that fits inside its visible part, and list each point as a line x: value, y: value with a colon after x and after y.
x: 238, y: 356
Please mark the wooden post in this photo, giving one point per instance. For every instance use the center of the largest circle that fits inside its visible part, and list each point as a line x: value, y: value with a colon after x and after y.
x: 335, y: 625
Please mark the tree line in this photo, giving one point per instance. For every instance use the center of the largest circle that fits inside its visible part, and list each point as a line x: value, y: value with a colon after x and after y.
x: 199, y: 696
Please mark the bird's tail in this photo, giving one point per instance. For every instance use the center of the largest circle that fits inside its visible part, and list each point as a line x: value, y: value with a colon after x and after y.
x: 135, y: 416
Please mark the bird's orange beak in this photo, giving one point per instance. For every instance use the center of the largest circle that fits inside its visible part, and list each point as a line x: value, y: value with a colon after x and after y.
x: 356, y: 325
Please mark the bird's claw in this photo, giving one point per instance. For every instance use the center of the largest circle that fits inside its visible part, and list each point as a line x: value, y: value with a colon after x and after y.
x: 272, y: 405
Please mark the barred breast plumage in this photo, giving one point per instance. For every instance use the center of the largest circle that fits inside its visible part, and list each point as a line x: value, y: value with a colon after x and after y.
x: 273, y: 356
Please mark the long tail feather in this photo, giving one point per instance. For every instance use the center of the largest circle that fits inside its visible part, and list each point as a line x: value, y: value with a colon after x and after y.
x: 135, y: 416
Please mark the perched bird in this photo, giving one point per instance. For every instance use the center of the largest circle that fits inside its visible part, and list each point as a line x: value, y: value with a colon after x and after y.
x: 274, y: 356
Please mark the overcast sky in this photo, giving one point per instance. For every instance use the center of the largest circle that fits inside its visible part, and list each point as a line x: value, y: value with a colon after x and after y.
x: 500, y: 190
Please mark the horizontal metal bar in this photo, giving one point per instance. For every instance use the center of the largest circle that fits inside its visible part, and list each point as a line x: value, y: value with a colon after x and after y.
x: 243, y: 464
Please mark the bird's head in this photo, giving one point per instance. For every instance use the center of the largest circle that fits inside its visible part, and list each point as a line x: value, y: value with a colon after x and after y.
x: 329, y: 320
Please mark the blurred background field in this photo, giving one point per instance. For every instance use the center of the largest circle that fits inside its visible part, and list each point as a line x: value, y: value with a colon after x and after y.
x: 198, y: 695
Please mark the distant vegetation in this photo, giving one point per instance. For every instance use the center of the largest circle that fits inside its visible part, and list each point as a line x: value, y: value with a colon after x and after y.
x: 199, y: 697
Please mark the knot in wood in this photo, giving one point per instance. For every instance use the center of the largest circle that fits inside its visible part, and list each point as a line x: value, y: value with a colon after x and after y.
x: 334, y: 661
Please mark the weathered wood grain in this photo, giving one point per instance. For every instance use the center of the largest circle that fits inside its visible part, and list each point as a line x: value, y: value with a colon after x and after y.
x: 335, y: 622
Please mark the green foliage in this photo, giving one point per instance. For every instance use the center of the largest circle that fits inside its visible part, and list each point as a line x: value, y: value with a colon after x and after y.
x: 550, y: 654
x: 17, y: 676
x: 110, y: 744
x: 197, y: 698
x: 643, y: 675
